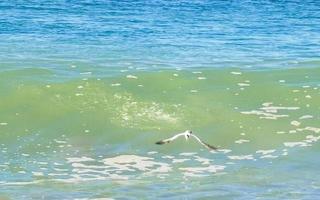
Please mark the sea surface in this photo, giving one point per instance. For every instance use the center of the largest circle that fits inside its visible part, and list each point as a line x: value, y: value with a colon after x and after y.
x: 87, y: 87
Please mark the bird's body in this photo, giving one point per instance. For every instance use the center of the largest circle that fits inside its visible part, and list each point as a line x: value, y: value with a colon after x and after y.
x: 187, y: 134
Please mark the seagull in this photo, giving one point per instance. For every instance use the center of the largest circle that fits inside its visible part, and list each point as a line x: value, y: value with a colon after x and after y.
x: 187, y: 134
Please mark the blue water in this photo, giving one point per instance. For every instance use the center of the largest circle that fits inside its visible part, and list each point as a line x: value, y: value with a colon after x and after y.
x: 159, y: 34
x: 88, y: 87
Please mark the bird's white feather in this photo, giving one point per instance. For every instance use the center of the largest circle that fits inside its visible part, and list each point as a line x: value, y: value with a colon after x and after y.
x: 173, y: 138
x: 186, y: 134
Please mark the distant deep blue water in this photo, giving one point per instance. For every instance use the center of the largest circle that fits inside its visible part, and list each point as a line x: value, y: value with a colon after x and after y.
x: 88, y: 87
x: 159, y: 34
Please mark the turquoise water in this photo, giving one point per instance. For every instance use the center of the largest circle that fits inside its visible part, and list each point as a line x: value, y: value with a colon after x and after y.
x: 88, y: 87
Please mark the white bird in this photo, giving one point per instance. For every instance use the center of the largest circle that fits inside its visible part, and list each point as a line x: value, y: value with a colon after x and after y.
x: 187, y: 134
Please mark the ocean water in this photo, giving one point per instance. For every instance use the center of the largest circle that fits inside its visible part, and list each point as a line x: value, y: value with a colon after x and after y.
x: 88, y: 87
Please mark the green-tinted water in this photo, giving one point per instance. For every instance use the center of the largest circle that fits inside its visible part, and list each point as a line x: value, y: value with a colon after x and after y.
x: 91, y: 136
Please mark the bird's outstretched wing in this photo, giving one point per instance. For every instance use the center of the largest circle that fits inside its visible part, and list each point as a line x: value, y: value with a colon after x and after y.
x: 208, y: 146
x: 165, y: 141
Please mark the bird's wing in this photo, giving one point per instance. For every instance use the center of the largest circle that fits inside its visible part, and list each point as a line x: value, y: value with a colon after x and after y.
x: 169, y: 139
x: 208, y: 146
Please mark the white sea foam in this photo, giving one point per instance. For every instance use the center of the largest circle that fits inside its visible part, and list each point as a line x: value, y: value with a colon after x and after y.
x: 267, y: 104
x: 269, y: 112
x: 188, y: 154
x: 274, y: 109
x: 82, y: 165
x: 20, y: 183
x: 225, y: 150
x: 202, y: 171
x: 243, y: 84
x: 79, y: 159
x: 60, y: 141
x: 314, y: 129
x: 134, y: 162
x: 85, y: 73
x: 269, y: 156
x: 132, y: 77
x: 115, y: 84
x: 133, y: 113
x: 180, y: 160
x: 306, y: 117
x: 168, y: 157
x: 264, y: 152
x: 240, y: 141
x: 241, y: 157
x: 295, y: 123
x: 264, y: 115
x: 58, y: 174
x: 311, y: 138
x: 60, y: 170
x: 294, y: 144
x: 308, y: 96
x: 203, y: 161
